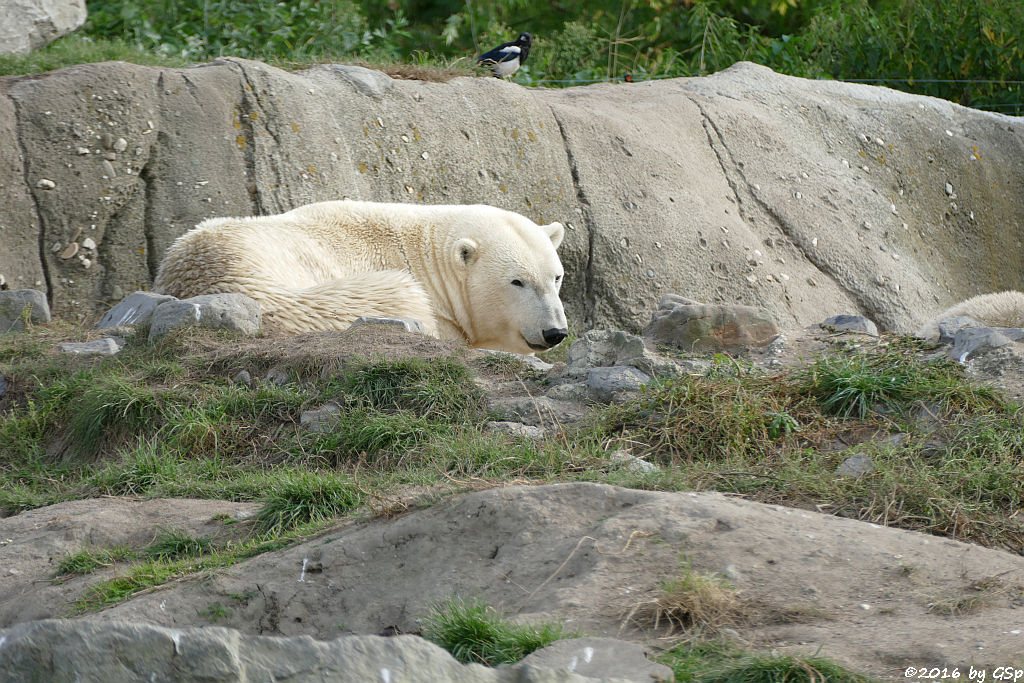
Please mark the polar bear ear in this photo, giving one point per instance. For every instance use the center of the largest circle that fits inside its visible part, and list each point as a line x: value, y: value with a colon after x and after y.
x: 555, y: 231
x: 465, y: 251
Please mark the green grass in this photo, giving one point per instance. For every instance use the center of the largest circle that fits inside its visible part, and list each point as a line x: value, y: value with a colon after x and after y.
x: 473, y: 631
x: 81, y: 49
x: 304, y: 498
x: 89, y: 559
x: 165, y: 421
x: 173, y: 544
x: 717, y: 661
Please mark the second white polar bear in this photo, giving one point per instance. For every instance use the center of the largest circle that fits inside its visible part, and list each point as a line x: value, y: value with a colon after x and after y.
x: 487, y: 276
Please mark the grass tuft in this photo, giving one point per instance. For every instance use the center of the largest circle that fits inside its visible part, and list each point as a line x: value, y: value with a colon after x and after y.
x: 473, y: 631
x: 88, y: 560
x: 306, y: 497
x: 173, y: 544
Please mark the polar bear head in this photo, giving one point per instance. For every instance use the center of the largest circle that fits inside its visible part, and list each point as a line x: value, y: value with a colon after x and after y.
x: 510, y: 276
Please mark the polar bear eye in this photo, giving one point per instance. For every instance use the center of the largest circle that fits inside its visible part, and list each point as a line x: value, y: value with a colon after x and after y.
x: 558, y: 278
x: 517, y: 283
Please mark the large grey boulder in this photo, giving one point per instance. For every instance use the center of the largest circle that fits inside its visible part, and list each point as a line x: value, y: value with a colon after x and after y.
x: 21, y: 305
x: 59, y: 651
x: 233, y: 312
x: 601, y: 657
x: 29, y: 24
x: 796, y: 196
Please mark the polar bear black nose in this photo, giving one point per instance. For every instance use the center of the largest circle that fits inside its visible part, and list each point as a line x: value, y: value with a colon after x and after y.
x: 555, y: 335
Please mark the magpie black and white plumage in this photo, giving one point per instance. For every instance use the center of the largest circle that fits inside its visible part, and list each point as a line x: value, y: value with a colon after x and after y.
x: 506, y: 59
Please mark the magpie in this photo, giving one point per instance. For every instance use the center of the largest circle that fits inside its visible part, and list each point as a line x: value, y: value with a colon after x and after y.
x: 506, y: 59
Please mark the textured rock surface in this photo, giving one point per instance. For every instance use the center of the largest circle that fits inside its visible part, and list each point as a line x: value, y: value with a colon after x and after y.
x: 586, y: 555
x: 601, y: 657
x: 746, y: 187
x: 29, y: 24
x: 135, y: 309
x: 19, y: 305
x: 235, y: 312
x: 695, y: 327
x: 83, y: 651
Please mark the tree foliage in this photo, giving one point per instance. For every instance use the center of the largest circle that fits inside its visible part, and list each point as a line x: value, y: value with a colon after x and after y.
x: 968, y: 51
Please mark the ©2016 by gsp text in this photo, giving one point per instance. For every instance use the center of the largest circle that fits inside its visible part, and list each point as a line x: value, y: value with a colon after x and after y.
x: 935, y: 673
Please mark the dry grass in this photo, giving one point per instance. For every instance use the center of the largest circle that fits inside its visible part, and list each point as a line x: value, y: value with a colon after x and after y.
x: 691, y: 602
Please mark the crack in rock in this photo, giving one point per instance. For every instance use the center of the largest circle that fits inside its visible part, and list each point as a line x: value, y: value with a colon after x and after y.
x: 589, y: 297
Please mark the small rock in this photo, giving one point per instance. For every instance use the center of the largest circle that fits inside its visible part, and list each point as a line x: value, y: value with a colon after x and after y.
x: 108, y: 169
x: 628, y: 461
x: 948, y: 328
x: 407, y: 324
x: 517, y: 429
x: 234, y: 312
x: 88, y: 243
x: 136, y: 309
x: 277, y: 376
x: 243, y: 377
x: 107, y: 140
x: 974, y: 341
x: 321, y: 420
x: 852, y: 323
x: 568, y: 391
x: 120, y: 145
x: 46, y: 184
x: 19, y: 305
x: 70, y: 251
x: 710, y: 327
x: 108, y: 346
x: 600, y: 658
x: 615, y: 384
x: 855, y: 466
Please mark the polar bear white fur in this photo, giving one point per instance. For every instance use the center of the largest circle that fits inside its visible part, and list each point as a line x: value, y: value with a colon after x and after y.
x: 487, y: 276
x: 999, y: 309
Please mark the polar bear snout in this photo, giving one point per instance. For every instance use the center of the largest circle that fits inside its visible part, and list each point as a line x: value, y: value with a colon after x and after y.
x: 554, y: 336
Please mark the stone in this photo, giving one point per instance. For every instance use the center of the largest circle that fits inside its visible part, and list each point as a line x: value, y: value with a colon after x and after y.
x: 63, y: 651
x: 135, y: 309
x: 27, y: 25
x: 108, y: 346
x: 606, y: 348
x: 277, y: 376
x: 407, y: 324
x: 852, y: 323
x: 20, y: 305
x: 234, y: 312
x: 322, y: 419
x: 616, y: 383
x: 537, y: 411
x: 710, y: 327
x: 973, y: 341
x: 855, y: 466
x: 628, y: 461
x: 243, y: 377
x: 516, y: 429
x: 600, y: 657
x: 949, y: 327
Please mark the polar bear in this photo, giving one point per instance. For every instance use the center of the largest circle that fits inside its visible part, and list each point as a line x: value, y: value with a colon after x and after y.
x: 477, y: 273
x: 998, y: 309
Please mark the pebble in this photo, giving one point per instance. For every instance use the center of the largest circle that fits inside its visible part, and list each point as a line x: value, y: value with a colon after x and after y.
x: 88, y: 243
x: 71, y: 250
x: 108, y: 169
x: 46, y: 184
x: 949, y: 189
x: 82, y: 151
x: 107, y: 140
